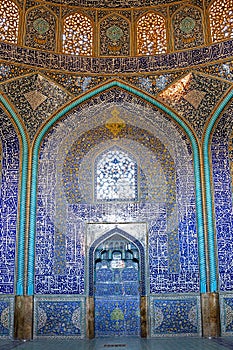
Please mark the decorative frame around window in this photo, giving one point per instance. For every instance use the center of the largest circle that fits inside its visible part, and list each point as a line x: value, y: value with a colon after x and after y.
x: 9, y: 21
x: 151, y: 34
x: 77, y: 36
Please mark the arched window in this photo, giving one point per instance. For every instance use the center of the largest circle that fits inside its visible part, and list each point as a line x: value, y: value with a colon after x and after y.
x: 9, y: 21
x: 78, y: 35
x: 221, y: 20
x: 151, y: 35
x: 116, y: 176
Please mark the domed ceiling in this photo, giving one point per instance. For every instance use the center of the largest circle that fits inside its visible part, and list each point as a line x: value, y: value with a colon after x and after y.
x: 122, y: 3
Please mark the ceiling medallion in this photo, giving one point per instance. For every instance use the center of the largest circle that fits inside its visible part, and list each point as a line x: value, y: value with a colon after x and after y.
x: 187, y: 24
x: 114, y: 33
x: 41, y: 25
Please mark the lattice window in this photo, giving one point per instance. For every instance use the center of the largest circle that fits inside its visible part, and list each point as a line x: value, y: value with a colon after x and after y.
x: 78, y: 35
x: 221, y: 20
x: 115, y: 176
x: 151, y: 34
x: 9, y: 21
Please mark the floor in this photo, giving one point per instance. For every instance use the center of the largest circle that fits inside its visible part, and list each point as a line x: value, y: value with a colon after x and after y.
x: 120, y: 343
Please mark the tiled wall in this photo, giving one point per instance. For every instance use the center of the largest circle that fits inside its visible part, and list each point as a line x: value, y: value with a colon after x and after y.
x: 59, y: 316
x: 8, y: 202
x: 167, y: 206
x: 175, y: 315
x: 222, y: 177
x: 226, y: 308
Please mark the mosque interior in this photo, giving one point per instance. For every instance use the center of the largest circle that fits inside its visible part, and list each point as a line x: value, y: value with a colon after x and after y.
x: 116, y: 169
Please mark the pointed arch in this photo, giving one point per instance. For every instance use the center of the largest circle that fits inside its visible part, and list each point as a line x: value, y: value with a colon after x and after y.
x: 187, y: 27
x: 114, y: 35
x: 40, y: 28
x: 127, y: 236
x: 23, y: 198
x: 174, y: 117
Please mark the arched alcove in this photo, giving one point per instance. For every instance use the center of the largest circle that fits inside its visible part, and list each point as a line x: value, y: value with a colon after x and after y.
x: 117, y: 285
x: 65, y: 197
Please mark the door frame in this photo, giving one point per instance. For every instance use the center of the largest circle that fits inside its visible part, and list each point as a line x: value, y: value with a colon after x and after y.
x: 90, y: 311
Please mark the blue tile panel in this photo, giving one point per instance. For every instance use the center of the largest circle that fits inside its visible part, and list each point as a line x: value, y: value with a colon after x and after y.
x: 8, y: 203
x: 117, y: 316
x: 226, y: 312
x: 222, y: 179
x: 65, y: 205
x: 63, y: 318
x: 175, y: 316
x: 127, y: 285
x: 6, y: 316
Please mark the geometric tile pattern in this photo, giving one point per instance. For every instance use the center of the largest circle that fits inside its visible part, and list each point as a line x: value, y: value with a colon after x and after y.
x: 37, y: 97
x: 194, y: 97
x: 177, y: 315
x: 8, y: 202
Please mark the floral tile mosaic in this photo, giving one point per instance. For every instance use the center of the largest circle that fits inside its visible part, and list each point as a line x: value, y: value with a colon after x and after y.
x: 226, y: 308
x: 6, y: 316
x: 59, y: 317
x: 117, y: 316
x: 176, y: 315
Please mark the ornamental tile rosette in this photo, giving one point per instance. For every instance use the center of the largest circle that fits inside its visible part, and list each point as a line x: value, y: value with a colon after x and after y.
x: 114, y: 36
